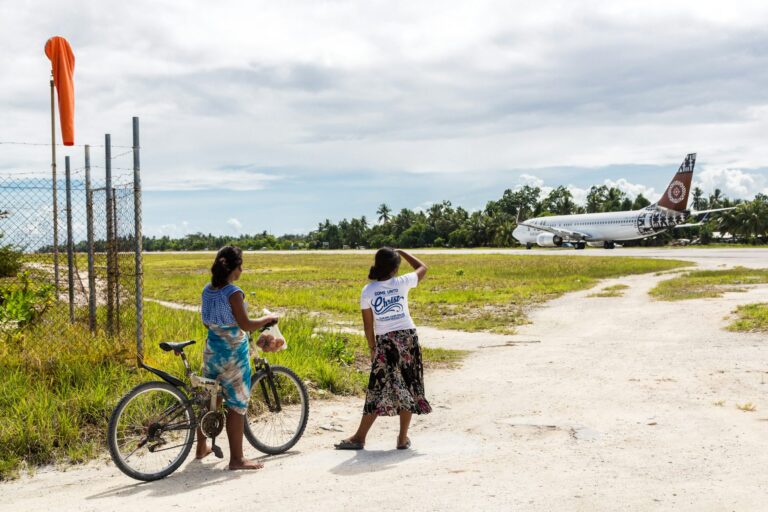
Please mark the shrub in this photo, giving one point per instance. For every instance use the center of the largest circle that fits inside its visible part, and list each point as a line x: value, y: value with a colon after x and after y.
x: 10, y: 261
x: 22, y: 303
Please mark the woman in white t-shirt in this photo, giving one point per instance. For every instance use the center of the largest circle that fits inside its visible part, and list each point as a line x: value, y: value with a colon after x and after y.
x: 396, y: 384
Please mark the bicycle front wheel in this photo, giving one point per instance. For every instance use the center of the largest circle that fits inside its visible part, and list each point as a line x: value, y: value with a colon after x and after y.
x: 151, y: 431
x: 278, y: 411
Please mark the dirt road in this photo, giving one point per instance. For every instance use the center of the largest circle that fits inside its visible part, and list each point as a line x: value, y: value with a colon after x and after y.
x: 600, y: 404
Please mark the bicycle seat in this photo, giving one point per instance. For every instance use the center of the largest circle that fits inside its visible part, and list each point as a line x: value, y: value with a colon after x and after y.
x: 177, y: 346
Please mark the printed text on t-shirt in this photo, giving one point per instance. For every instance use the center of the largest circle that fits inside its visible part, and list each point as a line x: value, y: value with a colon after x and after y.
x: 382, y: 306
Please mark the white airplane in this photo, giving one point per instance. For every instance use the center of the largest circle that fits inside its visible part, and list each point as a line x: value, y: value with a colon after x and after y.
x: 604, y: 229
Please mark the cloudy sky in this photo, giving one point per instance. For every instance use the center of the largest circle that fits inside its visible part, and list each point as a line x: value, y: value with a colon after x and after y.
x: 277, y: 115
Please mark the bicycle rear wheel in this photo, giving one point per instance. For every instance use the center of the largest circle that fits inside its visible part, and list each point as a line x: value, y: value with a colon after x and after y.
x: 277, y: 416
x: 151, y: 431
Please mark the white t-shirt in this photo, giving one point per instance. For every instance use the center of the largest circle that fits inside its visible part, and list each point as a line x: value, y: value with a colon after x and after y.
x: 389, y: 302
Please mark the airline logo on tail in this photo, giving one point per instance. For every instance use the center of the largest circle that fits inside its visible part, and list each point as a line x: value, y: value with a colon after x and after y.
x: 676, y: 192
x: 676, y: 195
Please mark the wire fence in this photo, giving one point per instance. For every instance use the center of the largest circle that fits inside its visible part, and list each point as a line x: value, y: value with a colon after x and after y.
x: 86, y: 243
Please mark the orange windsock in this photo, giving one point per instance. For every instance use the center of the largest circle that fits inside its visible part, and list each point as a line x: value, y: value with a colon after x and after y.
x: 63, y: 60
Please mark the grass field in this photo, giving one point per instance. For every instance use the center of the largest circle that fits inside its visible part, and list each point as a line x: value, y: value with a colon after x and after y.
x: 750, y: 318
x: 467, y: 292
x: 708, y: 283
x: 59, y: 383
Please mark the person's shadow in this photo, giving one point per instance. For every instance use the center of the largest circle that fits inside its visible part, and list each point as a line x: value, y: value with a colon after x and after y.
x: 368, y: 461
x: 193, y: 475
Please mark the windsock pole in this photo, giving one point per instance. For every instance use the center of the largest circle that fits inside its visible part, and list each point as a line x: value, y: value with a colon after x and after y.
x: 55, y: 201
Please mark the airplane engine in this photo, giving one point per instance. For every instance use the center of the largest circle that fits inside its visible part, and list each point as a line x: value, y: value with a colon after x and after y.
x: 549, y: 240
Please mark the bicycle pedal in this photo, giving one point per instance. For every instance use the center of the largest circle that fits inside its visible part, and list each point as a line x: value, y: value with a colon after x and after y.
x: 217, y: 452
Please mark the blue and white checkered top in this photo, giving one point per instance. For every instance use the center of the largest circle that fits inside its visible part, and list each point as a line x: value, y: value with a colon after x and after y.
x: 216, y: 307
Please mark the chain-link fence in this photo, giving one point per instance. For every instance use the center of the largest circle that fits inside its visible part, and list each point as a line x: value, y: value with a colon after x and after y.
x: 86, y: 245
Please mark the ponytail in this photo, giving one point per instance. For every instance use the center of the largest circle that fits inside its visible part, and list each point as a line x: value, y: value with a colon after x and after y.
x: 386, y: 262
x: 227, y: 260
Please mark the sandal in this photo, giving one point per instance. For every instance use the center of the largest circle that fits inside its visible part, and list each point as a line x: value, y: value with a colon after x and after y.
x: 406, y: 445
x: 346, y: 444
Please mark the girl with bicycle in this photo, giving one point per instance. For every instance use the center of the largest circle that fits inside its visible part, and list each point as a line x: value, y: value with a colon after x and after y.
x: 396, y: 383
x: 226, y: 354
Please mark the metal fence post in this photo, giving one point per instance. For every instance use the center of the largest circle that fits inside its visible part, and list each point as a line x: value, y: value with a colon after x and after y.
x: 70, y: 244
x: 89, y: 220
x: 116, y: 259
x: 139, y: 272
x: 110, y: 233
x: 55, y: 195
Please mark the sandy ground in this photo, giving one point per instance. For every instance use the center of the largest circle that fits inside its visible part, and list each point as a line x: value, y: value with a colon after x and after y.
x: 599, y: 404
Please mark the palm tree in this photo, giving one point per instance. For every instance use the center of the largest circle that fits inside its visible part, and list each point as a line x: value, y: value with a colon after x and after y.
x: 613, y: 200
x: 715, y: 198
x: 698, y: 194
x: 384, y: 213
x: 730, y: 222
x: 753, y: 217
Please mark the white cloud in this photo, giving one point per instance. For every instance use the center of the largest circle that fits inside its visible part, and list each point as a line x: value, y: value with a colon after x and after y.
x: 369, y: 88
x: 235, y: 224
x: 734, y: 183
x: 426, y: 86
x: 423, y: 207
x: 530, y: 180
x: 199, y: 179
x: 172, y: 230
x: 633, y: 189
x: 579, y: 194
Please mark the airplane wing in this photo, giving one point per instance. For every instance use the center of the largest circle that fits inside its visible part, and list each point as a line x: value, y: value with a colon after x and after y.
x: 688, y: 225
x: 564, y: 233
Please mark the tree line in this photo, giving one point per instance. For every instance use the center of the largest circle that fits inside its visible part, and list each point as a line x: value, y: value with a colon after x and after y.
x: 443, y: 225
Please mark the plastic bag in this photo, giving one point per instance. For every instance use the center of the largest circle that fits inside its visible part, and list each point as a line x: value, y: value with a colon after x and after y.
x: 270, y: 338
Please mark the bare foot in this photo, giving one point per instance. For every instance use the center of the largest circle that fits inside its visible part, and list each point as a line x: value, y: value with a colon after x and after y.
x: 201, y: 454
x: 245, y: 464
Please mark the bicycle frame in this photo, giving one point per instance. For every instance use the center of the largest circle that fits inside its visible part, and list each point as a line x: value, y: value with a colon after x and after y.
x: 213, y: 386
x: 195, y: 381
x: 261, y: 364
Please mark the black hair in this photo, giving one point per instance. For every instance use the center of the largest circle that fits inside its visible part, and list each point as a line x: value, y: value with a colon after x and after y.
x: 227, y: 259
x: 387, y: 261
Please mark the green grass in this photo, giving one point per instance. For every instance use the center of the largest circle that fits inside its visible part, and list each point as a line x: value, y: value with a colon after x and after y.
x: 443, y: 358
x: 468, y: 292
x: 708, y: 283
x: 59, y: 382
x: 610, y: 291
x: 750, y: 318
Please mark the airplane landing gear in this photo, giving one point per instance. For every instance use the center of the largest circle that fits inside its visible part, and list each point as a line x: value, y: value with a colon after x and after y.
x: 528, y: 245
x: 608, y: 245
x: 581, y: 245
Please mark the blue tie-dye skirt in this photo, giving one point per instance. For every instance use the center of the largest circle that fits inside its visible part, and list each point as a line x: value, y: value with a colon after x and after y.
x: 227, y: 357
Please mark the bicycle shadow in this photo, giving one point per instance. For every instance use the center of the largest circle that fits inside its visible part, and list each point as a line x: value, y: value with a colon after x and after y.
x: 368, y: 461
x: 192, y: 476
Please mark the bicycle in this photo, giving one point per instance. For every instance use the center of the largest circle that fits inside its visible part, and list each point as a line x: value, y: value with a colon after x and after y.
x: 153, y: 427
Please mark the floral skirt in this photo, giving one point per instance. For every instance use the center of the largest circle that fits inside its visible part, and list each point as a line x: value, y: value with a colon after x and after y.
x: 226, y: 357
x: 397, y: 376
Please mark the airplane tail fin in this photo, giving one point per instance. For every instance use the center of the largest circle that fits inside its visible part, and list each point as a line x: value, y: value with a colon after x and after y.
x: 676, y: 195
